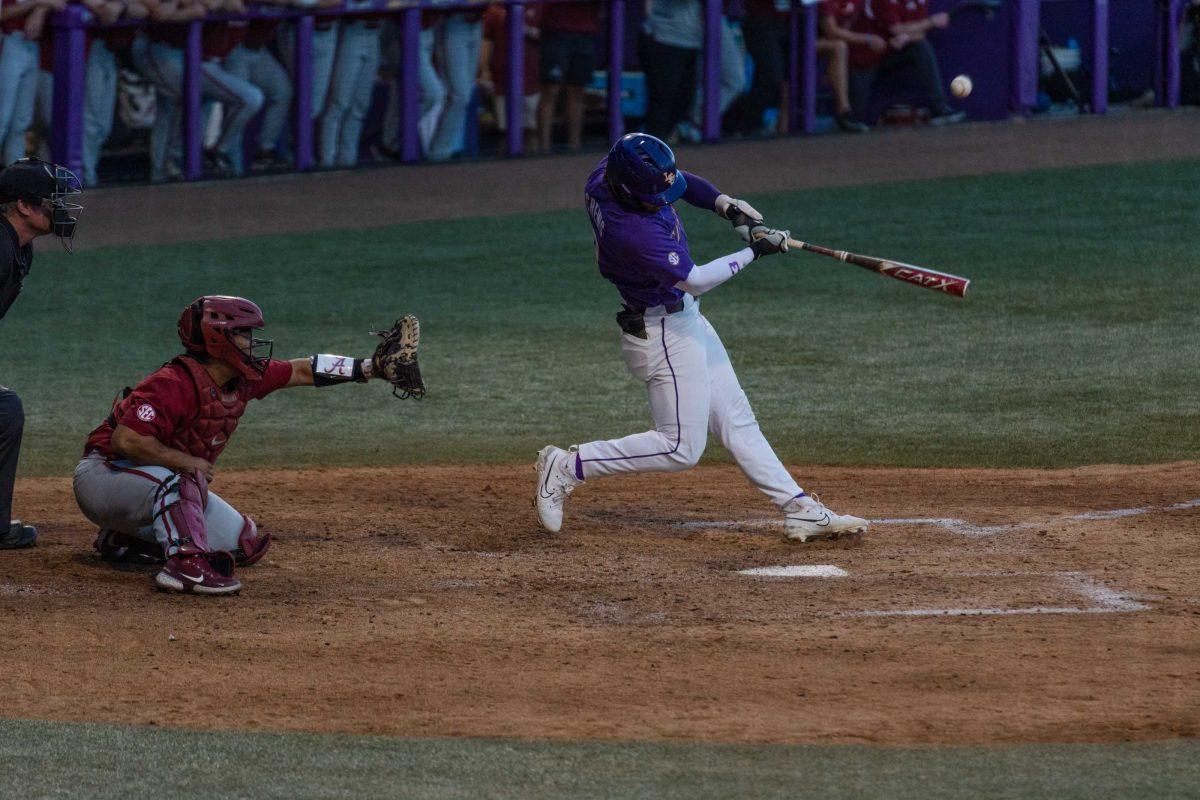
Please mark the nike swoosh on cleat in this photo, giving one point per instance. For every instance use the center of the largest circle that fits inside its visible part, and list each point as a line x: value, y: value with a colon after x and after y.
x: 549, y: 471
x: 194, y: 579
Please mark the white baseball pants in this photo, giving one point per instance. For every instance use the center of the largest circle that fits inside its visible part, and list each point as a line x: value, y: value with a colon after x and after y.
x: 693, y: 391
x: 121, y: 496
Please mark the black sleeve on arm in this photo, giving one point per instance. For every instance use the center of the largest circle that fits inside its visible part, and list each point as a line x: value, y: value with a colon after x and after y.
x: 700, y: 193
x: 10, y: 276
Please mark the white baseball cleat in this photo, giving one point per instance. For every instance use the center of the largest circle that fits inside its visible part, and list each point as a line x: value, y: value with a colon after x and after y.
x: 556, y: 480
x: 806, y: 519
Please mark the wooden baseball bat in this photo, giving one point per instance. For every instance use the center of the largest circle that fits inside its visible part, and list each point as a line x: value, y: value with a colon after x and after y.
x: 925, y: 278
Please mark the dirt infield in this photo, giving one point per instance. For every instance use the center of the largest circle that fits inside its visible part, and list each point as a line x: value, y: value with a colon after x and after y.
x: 1020, y: 614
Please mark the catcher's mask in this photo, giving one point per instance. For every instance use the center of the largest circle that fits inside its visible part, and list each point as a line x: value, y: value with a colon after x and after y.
x: 48, y: 185
x: 212, y: 325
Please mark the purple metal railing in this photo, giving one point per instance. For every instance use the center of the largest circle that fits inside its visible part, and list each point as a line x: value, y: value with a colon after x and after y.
x: 71, y: 26
x: 1166, y: 40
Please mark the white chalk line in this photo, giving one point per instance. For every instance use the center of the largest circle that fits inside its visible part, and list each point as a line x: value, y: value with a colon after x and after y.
x: 1103, y: 600
x: 961, y: 526
x: 796, y: 571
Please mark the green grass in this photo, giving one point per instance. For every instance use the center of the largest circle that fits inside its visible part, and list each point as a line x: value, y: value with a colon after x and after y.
x: 51, y: 760
x: 1077, y: 345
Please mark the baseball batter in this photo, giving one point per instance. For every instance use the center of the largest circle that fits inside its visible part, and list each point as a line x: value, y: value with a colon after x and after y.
x: 667, y: 343
x: 145, y: 469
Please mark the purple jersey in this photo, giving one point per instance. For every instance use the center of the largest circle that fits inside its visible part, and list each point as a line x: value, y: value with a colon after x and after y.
x: 643, y: 253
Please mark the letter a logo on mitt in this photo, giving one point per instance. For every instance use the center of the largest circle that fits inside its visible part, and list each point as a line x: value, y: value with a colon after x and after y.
x: 395, y: 359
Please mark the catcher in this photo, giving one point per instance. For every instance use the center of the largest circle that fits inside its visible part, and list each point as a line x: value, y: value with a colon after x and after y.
x: 145, y: 470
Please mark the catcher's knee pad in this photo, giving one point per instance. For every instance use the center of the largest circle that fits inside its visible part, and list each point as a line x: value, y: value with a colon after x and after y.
x: 252, y: 545
x: 179, y: 513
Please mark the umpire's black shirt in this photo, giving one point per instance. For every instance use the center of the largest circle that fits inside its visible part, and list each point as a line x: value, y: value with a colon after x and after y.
x: 14, y: 265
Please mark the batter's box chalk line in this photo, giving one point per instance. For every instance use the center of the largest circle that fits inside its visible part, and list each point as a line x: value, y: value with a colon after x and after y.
x: 961, y: 526
x: 796, y: 571
x: 1101, y: 600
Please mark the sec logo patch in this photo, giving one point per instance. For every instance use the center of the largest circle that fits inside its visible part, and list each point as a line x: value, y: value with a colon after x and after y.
x: 674, y: 259
x: 145, y: 412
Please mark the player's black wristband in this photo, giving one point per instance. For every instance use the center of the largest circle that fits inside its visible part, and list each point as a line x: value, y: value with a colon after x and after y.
x: 330, y: 370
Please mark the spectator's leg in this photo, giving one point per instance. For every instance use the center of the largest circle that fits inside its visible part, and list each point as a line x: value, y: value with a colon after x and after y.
x: 12, y: 424
x: 163, y: 66
x: 547, y: 100
x: 324, y: 48
x: 240, y: 99
x: 45, y: 111
x: 269, y: 75
x: 653, y: 59
x: 341, y: 93
x: 762, y: 43
x: 99, y: 106
x: 681, y: 100
x: 861, y: 87
x: 670, y: 71
x: 325, y: 45
x: 390, y: 66
x: 10, y: 66
x: 580, y: 65
x: 927, y: 74
x: 360, y: 100
x: 552, y: 64
x: 433, y: 89
x: 26, y: 99
x: 838, y: 53
x: 733, y: 63
x: 733, y: 72
x: 531, y: 123
x: 575, y: 118
x: 461, y: 38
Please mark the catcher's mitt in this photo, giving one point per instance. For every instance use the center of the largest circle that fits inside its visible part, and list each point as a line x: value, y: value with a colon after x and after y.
x: 395, y: 359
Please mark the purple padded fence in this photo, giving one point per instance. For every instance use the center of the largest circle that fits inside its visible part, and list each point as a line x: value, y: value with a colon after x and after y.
x: 1022, y: 52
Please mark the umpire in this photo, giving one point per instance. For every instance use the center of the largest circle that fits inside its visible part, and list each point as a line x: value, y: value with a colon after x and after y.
x: 33, y: 202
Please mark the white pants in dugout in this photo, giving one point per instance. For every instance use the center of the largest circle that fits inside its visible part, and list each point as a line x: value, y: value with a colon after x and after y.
x: 693, y: 391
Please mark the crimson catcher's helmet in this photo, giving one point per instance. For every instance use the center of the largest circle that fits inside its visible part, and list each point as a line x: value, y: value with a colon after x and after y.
x: 211, y: 324
x: 642, y: 168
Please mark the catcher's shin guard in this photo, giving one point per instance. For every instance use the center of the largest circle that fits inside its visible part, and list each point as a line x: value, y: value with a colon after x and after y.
x: 179, y: 514
x: 252, y: 545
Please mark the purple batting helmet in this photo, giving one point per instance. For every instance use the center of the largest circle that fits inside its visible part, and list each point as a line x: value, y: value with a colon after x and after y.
x: 642, y: 167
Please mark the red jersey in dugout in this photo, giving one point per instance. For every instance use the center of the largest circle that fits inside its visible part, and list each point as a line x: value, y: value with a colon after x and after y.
x: 890, y: 12
x: 572, y: 17
x: 857, y: 16
x: 180, y: 405
x: 494, y: 30
x: 13, y: 24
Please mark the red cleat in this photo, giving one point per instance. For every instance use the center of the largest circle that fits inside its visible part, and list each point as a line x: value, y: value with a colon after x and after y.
x: 200, y: 573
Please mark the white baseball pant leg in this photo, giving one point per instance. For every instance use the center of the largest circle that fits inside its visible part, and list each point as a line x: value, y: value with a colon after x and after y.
x: 692, y: 389
x: 121, y: 496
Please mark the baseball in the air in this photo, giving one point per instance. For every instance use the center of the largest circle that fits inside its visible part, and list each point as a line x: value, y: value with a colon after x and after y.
x: 960, y: 86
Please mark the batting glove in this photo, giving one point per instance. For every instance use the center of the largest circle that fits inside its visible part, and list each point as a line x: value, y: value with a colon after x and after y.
x: 768, y: 241
x: 743, y: 215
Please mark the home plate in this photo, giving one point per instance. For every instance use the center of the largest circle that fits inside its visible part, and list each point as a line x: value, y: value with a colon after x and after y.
x: 797, y: 571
